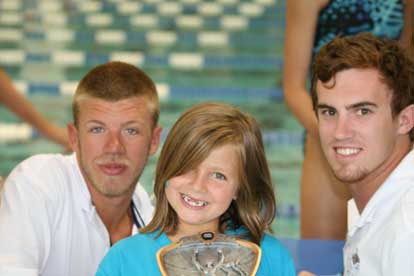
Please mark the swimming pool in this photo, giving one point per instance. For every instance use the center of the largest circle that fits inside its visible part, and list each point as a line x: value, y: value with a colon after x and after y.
x: 224, y: 50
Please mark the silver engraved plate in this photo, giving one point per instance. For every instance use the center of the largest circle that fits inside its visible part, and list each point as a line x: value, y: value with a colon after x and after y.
x: 209, y: 254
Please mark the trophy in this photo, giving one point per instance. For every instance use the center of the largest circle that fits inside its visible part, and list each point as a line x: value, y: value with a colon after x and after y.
x: 209, y: 254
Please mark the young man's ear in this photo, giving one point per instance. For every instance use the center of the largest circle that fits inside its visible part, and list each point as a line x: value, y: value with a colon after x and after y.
x: 155, y: 141
x: 406, y: 119
x: 73, y: 136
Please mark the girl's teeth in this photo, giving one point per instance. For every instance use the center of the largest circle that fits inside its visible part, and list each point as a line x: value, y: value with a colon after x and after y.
x: 195, y: 203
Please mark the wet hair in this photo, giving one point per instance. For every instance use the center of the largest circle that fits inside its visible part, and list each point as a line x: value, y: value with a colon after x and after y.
x: 115, y: 81
x: 200, y: 130
x: 365, y: 51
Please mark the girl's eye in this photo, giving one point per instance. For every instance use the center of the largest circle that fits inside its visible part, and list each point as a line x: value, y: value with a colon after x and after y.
x: 219, y: 176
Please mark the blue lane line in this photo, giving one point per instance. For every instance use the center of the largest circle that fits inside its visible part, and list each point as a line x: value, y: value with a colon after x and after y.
x: 238, y: 63
x: 174, y: 92
x: 235, y: 39
x: 165, y: 22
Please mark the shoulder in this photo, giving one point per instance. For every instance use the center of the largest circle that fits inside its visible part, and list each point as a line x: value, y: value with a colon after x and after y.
x: 43, y: 165
x: 135, y: 255
x: 397, y: 237
x: 146, y: 242
x: 407, y: 209
x: 43, y: 172
x: 319, y: 4
x: 273, y: 247
x: 140, y: 238
x: 40, y: 160
x: 269, y: 244
x: 397, y: 228
x: 275, y: 255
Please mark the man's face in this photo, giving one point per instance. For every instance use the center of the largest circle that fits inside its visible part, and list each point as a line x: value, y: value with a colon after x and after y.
x: 113, y: 141
x: 357, y: 131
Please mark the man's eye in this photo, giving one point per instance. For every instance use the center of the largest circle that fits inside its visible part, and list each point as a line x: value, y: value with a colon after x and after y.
x: 363, y: 111
x: 131, y: 131
x: 96, y: 129
x: 327, y: 112
x: 219, y: 176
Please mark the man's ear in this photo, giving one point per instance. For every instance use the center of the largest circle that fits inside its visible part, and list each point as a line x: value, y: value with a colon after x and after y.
x: 73, y: 136
x: 155, y: 142
x: 406, y: 119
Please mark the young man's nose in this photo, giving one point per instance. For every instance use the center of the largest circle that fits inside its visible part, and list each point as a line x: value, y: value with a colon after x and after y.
x: 114, y: 143
x: 343, y: 128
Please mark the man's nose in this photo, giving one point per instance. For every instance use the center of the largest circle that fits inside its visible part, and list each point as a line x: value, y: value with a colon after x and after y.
x: 343, y: 127
x: 114, y: 143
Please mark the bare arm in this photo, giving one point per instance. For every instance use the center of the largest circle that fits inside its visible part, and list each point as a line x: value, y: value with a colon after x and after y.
x: 301, y: 21
x: 17, y: 103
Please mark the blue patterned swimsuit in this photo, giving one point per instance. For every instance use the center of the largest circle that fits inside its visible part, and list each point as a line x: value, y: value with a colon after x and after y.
x: 383, y: 18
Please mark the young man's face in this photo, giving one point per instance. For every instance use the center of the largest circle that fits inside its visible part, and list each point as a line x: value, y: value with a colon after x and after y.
x: 357, y: 131
x: 113, y: 141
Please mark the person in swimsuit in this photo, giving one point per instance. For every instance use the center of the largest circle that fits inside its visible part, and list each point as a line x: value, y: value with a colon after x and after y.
x: 310, y: 24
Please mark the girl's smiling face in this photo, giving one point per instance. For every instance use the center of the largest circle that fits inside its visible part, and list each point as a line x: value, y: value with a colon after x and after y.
x: 200, y: 196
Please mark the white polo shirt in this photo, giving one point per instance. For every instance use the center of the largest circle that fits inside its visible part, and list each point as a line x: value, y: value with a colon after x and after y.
x: 48, y: 225
x: 381, y: 241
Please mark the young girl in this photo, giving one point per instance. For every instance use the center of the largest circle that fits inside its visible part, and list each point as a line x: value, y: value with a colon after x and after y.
x: 212, y: 175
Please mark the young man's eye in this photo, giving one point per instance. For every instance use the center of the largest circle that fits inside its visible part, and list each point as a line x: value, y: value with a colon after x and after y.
x: 327, y: 112
x: 219, y: 176
x: 96, y: 129
x: 363, y: 111
x: 131, y: 131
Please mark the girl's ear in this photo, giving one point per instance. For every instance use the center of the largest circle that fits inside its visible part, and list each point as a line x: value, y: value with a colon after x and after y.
x: 406, y: 119
x: 235, y: 195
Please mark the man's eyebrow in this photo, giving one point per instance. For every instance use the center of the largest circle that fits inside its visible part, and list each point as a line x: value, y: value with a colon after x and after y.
x: 93, y: 121
x: 352, y: 106
x: 361, y: 104
x: 322, y: 105
x: 132, y: 122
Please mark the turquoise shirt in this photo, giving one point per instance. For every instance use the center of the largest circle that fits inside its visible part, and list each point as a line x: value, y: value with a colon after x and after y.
x: 136, y: 255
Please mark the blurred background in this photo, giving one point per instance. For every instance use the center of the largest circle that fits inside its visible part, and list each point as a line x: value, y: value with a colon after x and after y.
x: 215, y: 50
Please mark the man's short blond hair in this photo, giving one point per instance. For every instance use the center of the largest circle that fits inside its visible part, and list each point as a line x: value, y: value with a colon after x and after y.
x: 114, y: 81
